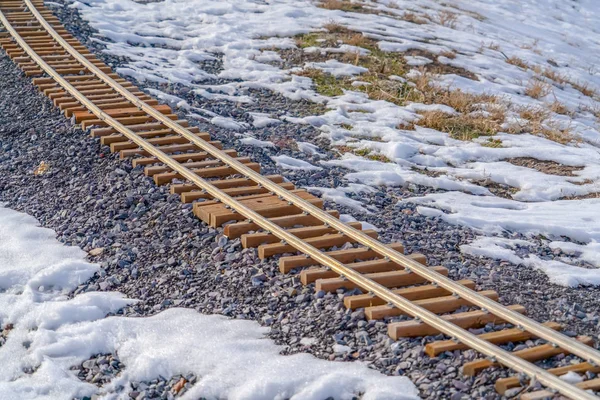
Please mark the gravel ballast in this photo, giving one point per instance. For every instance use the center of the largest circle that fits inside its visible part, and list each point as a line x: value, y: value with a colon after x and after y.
x: 152, y: 248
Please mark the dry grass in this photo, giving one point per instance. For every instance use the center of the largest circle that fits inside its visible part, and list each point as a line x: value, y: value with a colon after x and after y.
x: 363, y: 152
x: 519, y: 62
x: 414, y: 18
x: 461, y: 126
x: 553, y: 131
x: 539, y: 122
x: 493, y: 46
x: 360, y: 40
x: 533, y: 113
x: 447, y: 19
x: 537, y: 89
x: 368, y: 153
x: 584, y: 88
x: 448, y: 54
x: 563, y: 79
x: 559, y: 108
x: 430, y: 93
x: 335, y: 27
x: 554, y: 76
x: 493, y: 143
x: 344, y: 5
x: 479, y: 115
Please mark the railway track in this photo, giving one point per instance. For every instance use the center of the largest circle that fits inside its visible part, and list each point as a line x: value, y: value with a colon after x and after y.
x: 274, y: 216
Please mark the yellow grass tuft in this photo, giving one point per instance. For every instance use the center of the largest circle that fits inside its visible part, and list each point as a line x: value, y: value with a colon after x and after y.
x: 448, y: 54
x: 447, y: 19
x: 461, y: 126
x: 335, y: 27
x: 414, y: 18
x: 343, y: 5
x: 519, y: 62
x: 537, y: 88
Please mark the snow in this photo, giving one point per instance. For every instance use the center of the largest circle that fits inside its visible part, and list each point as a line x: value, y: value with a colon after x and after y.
x: 308, y: 148
x: 492, y: 215
x: 416, y: 61
x: 496, y: 248
x: 589, y: 252
x: 227, y: 123
x: 52, y: 332
x: 169, y: 40
x: 564, y: 274
x: 338, y: 195
x: 559, y: 272
x: 250, y: 141
x: 287, y: 162
x: 261, y: 120
x: 337, y: 68
x: 390, y: 174
x: 572, y: 377
x: 365, y: 225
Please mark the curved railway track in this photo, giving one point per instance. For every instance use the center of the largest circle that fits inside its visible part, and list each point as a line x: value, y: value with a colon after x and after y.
x: 275, y: 217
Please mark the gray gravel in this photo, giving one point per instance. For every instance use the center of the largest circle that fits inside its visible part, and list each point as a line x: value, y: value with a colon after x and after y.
x: 102, y: 368
x: 154, y: 249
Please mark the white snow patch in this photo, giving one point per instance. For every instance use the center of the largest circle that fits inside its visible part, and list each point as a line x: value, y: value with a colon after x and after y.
x: 417, y: 61
x: 376, y: 173
x: 559, y: 272
x: 338, y: 195
x: 262, y: 120
x: 337, y: 69
x: 492, y: 214
x: 227, y: 123
x: 589, y: 252
x: 309, y: 148
x: 340, y: 349
x: 495, y: 248
x: 62, y: 332
x: 365, y: 224
x: 564, y: 274
x: 287, y: 162
x: 255, y: 142
x: 572, y: 377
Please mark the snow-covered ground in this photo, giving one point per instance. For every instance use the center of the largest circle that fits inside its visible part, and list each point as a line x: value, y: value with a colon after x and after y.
x: 47, y: 331
x: 510, y: 47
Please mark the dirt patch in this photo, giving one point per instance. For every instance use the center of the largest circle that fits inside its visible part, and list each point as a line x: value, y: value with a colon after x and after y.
x: 428, y: 172
x: 364, y: 152
x: 547, y: 167
x: 595, y: 195
x: 345, y: 5
x: 377, y: 61
x: 437, y: 68
x: 497, y: 189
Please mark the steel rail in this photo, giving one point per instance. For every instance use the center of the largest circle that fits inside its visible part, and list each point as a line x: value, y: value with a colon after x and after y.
x: 586, y: 352
x: 384, y: 293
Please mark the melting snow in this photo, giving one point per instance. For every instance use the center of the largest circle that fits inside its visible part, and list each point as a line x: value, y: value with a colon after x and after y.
x: 255, y: 142
x: 52, y: 332
x: 287, y: 162
x: 169, y: 39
